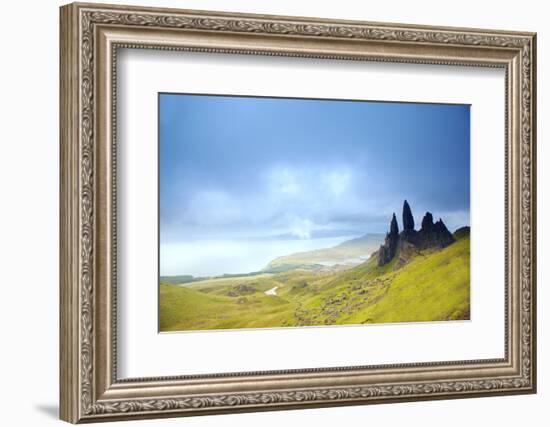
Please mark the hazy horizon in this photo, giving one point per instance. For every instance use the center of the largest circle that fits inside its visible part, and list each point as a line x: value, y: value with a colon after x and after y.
x: 258, y: 175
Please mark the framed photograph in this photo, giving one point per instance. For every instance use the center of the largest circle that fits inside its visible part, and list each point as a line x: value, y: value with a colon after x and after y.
x: 265, y: 212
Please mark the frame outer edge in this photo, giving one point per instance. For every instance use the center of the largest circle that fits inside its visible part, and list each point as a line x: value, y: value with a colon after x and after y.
x: 305, y: 19
x: 77, y: 339
x: 69, y: 354
x: 534, y: 269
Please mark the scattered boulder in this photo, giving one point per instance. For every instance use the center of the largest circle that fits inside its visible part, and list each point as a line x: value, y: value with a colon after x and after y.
x: 302, y: 285
x: 241, y: 289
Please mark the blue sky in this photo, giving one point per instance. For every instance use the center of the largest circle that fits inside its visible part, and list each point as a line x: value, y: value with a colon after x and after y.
x: 264, y: 168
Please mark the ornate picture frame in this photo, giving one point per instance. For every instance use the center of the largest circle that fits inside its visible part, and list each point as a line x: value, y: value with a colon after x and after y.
x: 90, y: 37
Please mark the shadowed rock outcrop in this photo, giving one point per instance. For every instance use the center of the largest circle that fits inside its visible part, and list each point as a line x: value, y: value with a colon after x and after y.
x: 408, y: 219
x: 388, y: 249
x: 405, y: 244
x: 433, y: 235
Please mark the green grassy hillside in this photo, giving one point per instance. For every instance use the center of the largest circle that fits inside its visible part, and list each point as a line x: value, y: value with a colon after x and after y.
x: 432, y: 286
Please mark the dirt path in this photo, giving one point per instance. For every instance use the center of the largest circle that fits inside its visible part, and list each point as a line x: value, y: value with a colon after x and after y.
x: 272, y: 291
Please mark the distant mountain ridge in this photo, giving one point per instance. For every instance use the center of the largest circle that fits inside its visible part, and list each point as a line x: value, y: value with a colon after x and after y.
x: 352, y: 252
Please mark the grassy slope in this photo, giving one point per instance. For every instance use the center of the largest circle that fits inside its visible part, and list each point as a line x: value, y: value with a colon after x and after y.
x: 432, y: 286
x: 182, y: 308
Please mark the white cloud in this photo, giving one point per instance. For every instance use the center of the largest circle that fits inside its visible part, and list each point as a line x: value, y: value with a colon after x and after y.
x: 302, y: 228
x: 284, y: 181
x: 300, y: 201
x: 336, y: 182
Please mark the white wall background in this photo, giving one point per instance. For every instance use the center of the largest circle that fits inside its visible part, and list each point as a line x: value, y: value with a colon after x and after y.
x: 29, y: 170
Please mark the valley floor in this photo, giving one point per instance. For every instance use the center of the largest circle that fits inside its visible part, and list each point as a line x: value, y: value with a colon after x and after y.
x: 432, y: 286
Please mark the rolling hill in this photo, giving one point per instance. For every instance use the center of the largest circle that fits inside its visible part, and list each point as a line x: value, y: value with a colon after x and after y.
x: 351, y: 252
x: 430, y: 285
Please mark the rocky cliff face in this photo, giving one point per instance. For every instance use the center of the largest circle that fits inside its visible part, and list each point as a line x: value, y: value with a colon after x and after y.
x: 408, y: 219
x: 388, y: 249
x: 430, y: 236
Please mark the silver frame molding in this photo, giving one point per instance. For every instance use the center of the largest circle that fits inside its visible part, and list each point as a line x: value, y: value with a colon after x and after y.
x: 90, y: 37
